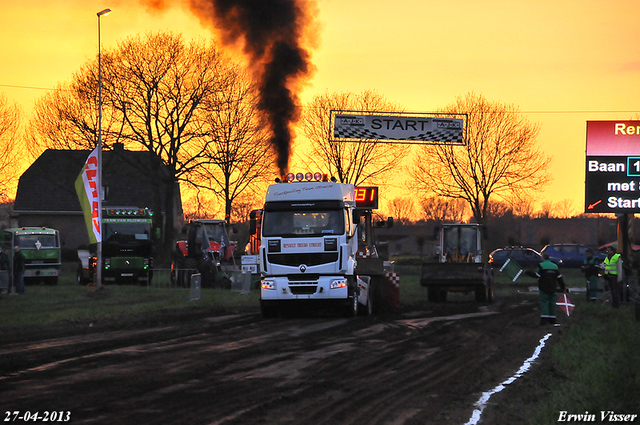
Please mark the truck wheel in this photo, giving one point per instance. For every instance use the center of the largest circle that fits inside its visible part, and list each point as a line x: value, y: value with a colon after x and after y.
x: 79, y: 278
x: 490, y: 294
x: 481, y: 293
x: 352, y: 308
x: 368, y: 309
x: 432, y: 295
x: 442, y: 296
x: 268, y: 312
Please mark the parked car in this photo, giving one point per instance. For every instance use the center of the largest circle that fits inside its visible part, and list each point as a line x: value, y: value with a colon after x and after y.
x: 525, y: 257
x: 570, y: 254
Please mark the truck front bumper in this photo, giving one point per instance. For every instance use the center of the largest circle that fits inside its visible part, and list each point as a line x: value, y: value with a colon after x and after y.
x: 322, y: 288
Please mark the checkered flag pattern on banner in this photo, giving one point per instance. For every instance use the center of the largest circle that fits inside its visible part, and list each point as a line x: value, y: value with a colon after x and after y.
x: 440, y: 136
x: 511, y: 269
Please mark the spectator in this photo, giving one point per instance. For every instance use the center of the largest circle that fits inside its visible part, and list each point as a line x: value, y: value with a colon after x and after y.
x: 613, y: 275
x: 4, y: 271
x: 591, y: 270
x: 18, y: 270
x: 548, y: 279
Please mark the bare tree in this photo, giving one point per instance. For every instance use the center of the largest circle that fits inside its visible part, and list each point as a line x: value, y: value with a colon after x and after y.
x: 522, y: 206
x: 498, y: 209
x: 10, y: 119
x: 160, y: 86
x: 243, y: 206
x: 159, y: 94
x: 560, y: 209
x: 67, y: 117
x: 438, y: 208
x: 563, y: 208
x: 236, y: 142
x: 350, y: 162
x: 198, y: 205
x: 402, y: 210
x: 500, y: 157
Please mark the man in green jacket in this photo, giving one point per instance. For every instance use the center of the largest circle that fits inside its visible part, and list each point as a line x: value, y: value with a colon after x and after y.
x: 591, y: 269
x: 549, y: 278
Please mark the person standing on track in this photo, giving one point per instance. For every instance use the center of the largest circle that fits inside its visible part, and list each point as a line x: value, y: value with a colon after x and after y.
x: 613, y: 275
x: 18, y: 270
x: 591, y: 269
x: 549, y: 278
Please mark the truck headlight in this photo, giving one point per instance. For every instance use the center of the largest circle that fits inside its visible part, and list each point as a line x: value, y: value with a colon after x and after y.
x: 268, y: 284
x: 338, y: 283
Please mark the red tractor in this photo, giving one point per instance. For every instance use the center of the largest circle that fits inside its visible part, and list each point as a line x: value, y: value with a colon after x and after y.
x: 207, y: 251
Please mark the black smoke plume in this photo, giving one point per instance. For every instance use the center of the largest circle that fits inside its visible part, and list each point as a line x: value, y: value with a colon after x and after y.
x: 273, y: 32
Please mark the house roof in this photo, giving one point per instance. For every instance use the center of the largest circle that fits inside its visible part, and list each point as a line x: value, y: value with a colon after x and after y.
x: 48, y: 184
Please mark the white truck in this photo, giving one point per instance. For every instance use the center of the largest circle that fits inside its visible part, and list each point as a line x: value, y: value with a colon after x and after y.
x: 309, y: 242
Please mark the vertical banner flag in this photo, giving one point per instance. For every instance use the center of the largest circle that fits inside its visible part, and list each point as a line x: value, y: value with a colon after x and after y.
x: 87, y: 185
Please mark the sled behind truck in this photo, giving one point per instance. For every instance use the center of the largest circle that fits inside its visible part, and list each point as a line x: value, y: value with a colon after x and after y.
x: 459, y: 267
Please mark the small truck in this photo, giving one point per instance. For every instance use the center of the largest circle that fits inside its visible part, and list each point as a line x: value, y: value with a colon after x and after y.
x: 41, y: 249
x: 459, y: 267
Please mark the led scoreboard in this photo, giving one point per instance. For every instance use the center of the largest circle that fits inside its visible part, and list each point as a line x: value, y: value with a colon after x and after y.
x: 612, y: 176
x: 366, y: 197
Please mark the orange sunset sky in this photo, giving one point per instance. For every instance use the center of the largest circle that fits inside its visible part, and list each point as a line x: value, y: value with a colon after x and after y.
x: 561, y: 62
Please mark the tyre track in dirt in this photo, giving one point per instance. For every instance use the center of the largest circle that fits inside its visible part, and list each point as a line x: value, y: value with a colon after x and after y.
x: 245, y: 370
x: 391, y: 379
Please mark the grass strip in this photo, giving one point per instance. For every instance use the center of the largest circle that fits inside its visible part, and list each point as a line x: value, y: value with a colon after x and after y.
x: 595, y: 367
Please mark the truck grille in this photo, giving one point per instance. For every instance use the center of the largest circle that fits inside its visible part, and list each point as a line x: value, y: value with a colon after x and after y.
x: 303, y: 288
x: 310, y: 259
x: 38, y: 262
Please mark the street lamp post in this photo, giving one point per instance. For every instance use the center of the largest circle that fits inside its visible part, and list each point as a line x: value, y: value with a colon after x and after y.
x: 99, y: 250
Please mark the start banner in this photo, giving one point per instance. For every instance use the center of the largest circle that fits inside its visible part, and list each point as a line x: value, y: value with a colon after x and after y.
x: 411, y: 129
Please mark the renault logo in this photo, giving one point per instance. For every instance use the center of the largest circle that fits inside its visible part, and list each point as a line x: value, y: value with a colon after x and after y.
x: 303, y: 268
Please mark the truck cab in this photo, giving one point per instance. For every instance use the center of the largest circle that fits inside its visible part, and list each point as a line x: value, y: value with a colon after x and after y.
x: 308, y: 246
x: 41, y: 249
x: 127, y: 248
x: 459, y: 267
x: 460, y: 243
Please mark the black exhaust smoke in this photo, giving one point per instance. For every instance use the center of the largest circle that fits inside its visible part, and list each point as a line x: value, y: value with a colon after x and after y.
x: 273, y: 32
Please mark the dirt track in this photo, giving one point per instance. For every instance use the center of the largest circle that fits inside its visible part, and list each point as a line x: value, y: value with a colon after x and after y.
x: 424, y: 365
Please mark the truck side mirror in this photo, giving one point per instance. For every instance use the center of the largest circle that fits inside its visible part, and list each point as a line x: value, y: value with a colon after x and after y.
x: 252, y: 226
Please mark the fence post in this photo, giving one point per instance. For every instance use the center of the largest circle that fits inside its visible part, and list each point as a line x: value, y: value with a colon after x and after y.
x: 195, y: 286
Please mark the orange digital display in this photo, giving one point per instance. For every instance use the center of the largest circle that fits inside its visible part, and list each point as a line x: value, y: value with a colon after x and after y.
x: 366, y: 197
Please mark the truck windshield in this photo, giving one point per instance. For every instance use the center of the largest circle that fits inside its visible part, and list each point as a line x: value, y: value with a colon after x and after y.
x: 127, y: 232
x: 215, y: 231
x: 303, y: 223
x: 461, y: 240
x: 29, y: 241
